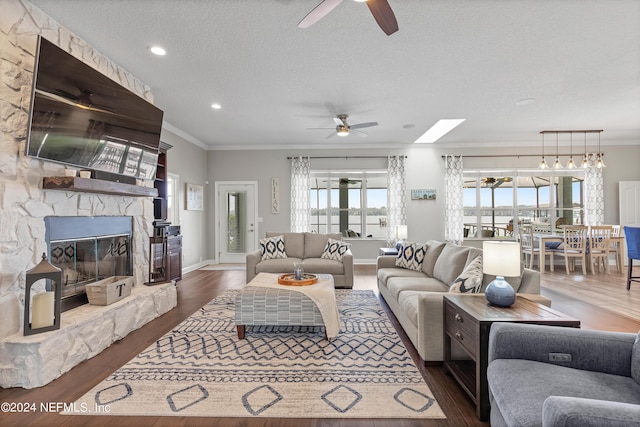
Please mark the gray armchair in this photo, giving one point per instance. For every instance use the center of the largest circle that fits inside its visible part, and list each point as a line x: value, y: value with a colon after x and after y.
x: 556, y: 376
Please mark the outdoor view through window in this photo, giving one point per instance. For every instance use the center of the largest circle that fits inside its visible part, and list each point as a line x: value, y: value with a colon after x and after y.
x: 353, y: 203
x: 493, y: 201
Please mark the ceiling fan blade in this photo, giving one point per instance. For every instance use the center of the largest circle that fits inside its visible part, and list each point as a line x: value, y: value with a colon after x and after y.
x: 383, y: 15
x: 363, y: 125
x: 319, y: 12
x: 319, y: 128
x: 332, y: 135
x: 358, y: 132
x: 338, y: 121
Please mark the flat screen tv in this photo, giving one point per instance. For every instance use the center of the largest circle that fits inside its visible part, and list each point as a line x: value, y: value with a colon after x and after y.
x: 81, y: 117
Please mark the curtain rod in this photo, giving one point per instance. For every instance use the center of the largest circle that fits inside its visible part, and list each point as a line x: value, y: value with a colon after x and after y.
x: 346, y: 157
x: 512, y: 155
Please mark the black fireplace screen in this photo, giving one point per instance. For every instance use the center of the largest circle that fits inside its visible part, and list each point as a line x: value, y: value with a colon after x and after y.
x: 88, y: 260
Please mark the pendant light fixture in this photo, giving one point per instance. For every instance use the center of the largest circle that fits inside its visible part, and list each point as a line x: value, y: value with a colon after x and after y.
x: 556, y: 164
x: 571, y: 164
x: 585, y: 162
x: 600, y: 162
x: 543, y: 163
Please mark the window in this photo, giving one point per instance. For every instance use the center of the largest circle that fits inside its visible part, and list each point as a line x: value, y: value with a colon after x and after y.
x: 353, y: 203
x: 492, y: 199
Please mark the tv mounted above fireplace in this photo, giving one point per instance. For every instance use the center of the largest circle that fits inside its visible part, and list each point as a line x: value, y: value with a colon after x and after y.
x: 82, y: 118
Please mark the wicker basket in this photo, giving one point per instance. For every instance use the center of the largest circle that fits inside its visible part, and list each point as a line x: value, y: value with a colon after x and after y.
x: 109, y: 290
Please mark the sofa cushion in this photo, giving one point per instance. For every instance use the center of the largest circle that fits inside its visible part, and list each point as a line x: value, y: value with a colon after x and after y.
x: 326, y: 266
x: 281, y: 265
x: 470, y: 280
x: 314, y: 243
x: 635, y: 359
x: 293, y: 243
x: 272, y: 248
x: 385, y: 273
x: 335, y: 249
x: 434, y: 248
x: 411, y: 256
x: 396, y: 285
x: 522, y: 406
x: 450, y: 263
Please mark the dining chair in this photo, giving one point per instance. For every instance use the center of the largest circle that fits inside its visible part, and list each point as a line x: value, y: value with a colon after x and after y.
x: 598, y: 246
x: 615, y: 247
x: 574, y: 246
x: 632, y: 237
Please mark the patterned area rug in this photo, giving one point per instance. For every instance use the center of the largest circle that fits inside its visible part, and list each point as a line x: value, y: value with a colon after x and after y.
x: 202, y: 369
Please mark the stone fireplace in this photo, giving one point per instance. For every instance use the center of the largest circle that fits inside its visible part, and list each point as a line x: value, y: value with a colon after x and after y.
x: 26, y: 210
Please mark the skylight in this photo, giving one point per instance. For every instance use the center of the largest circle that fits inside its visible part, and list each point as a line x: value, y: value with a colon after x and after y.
x: 437, y: 131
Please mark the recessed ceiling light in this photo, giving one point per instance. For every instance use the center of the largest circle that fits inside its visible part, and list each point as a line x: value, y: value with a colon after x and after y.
x: 216, y: 106
x: 157, y: 50
x: 437, y: 131
x: 525, y: 101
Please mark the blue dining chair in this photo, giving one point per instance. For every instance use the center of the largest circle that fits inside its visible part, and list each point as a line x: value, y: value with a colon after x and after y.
x: 632, y: 237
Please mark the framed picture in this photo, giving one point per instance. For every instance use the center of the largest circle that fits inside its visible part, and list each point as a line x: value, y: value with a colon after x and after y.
x: 423, y: 194
x: 275, y: 195
x: 194, y: 197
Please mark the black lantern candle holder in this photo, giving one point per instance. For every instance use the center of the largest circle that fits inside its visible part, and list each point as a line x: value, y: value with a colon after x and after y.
x: 43, y: 313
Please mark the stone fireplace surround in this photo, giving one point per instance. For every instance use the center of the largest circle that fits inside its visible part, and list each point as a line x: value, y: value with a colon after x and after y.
x: 85, y: 331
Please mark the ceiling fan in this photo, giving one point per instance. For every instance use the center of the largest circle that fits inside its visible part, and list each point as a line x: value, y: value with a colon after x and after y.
x: 380, y: 10
x: 344, y: 129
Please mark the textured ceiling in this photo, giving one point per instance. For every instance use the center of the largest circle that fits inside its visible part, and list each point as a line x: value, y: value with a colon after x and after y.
x: 472, y: 59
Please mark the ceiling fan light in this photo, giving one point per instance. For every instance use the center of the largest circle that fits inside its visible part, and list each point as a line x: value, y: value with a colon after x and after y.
x: 342, y: 130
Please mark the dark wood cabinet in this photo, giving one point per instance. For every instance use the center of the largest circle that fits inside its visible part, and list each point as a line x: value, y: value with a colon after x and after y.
x: 174, y: 256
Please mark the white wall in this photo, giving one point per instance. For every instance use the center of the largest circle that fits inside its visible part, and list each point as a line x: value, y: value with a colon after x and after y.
x: 189, y: 162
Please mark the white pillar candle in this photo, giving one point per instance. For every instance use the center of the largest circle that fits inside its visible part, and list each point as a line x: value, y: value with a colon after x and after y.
x: 42, y: 310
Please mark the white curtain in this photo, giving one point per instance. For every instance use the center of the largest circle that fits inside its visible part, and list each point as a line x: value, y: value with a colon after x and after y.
x: 396, y: 197
x: 453, y: 200
x: 300, y: 187
x: 593, y: 193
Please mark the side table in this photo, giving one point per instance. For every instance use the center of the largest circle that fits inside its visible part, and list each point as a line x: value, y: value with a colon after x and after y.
x: 468, y: 319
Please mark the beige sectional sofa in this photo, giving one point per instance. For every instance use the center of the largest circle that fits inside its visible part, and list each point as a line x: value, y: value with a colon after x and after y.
x: 306, y: 248
x: 416, y: 297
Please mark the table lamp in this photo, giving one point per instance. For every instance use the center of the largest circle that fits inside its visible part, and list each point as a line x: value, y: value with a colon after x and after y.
x: 402, y: 233
x: 500, y: 259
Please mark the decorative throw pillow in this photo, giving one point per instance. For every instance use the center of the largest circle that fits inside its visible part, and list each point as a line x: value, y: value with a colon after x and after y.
x: 411, y: 256
x: 470, y: 280
x: 335, y: 249
x: 272, y: 247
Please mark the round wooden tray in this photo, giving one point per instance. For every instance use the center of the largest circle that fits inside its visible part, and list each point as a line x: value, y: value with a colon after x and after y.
x: 290, y: 280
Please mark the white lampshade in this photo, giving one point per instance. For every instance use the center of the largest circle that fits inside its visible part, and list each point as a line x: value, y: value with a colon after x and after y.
x: 501, y: 258
x: 402, y: 232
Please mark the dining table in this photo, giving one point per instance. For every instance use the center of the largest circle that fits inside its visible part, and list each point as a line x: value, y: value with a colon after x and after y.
x: 544, y: 238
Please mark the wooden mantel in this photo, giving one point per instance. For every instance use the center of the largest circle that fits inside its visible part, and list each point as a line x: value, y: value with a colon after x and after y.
x: 89, y: 185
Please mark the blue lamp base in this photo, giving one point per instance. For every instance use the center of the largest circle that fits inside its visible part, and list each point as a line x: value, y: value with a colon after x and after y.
x: 500, y: 293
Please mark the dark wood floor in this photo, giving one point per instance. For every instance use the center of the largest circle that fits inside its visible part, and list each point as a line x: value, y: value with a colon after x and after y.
x: 199, y: 287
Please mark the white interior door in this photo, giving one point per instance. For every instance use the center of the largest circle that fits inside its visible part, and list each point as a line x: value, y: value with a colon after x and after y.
x: 629, y: 192
x: 237, y: 220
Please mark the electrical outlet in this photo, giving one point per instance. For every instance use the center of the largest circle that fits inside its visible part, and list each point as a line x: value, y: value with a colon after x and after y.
x: 559, y: 357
